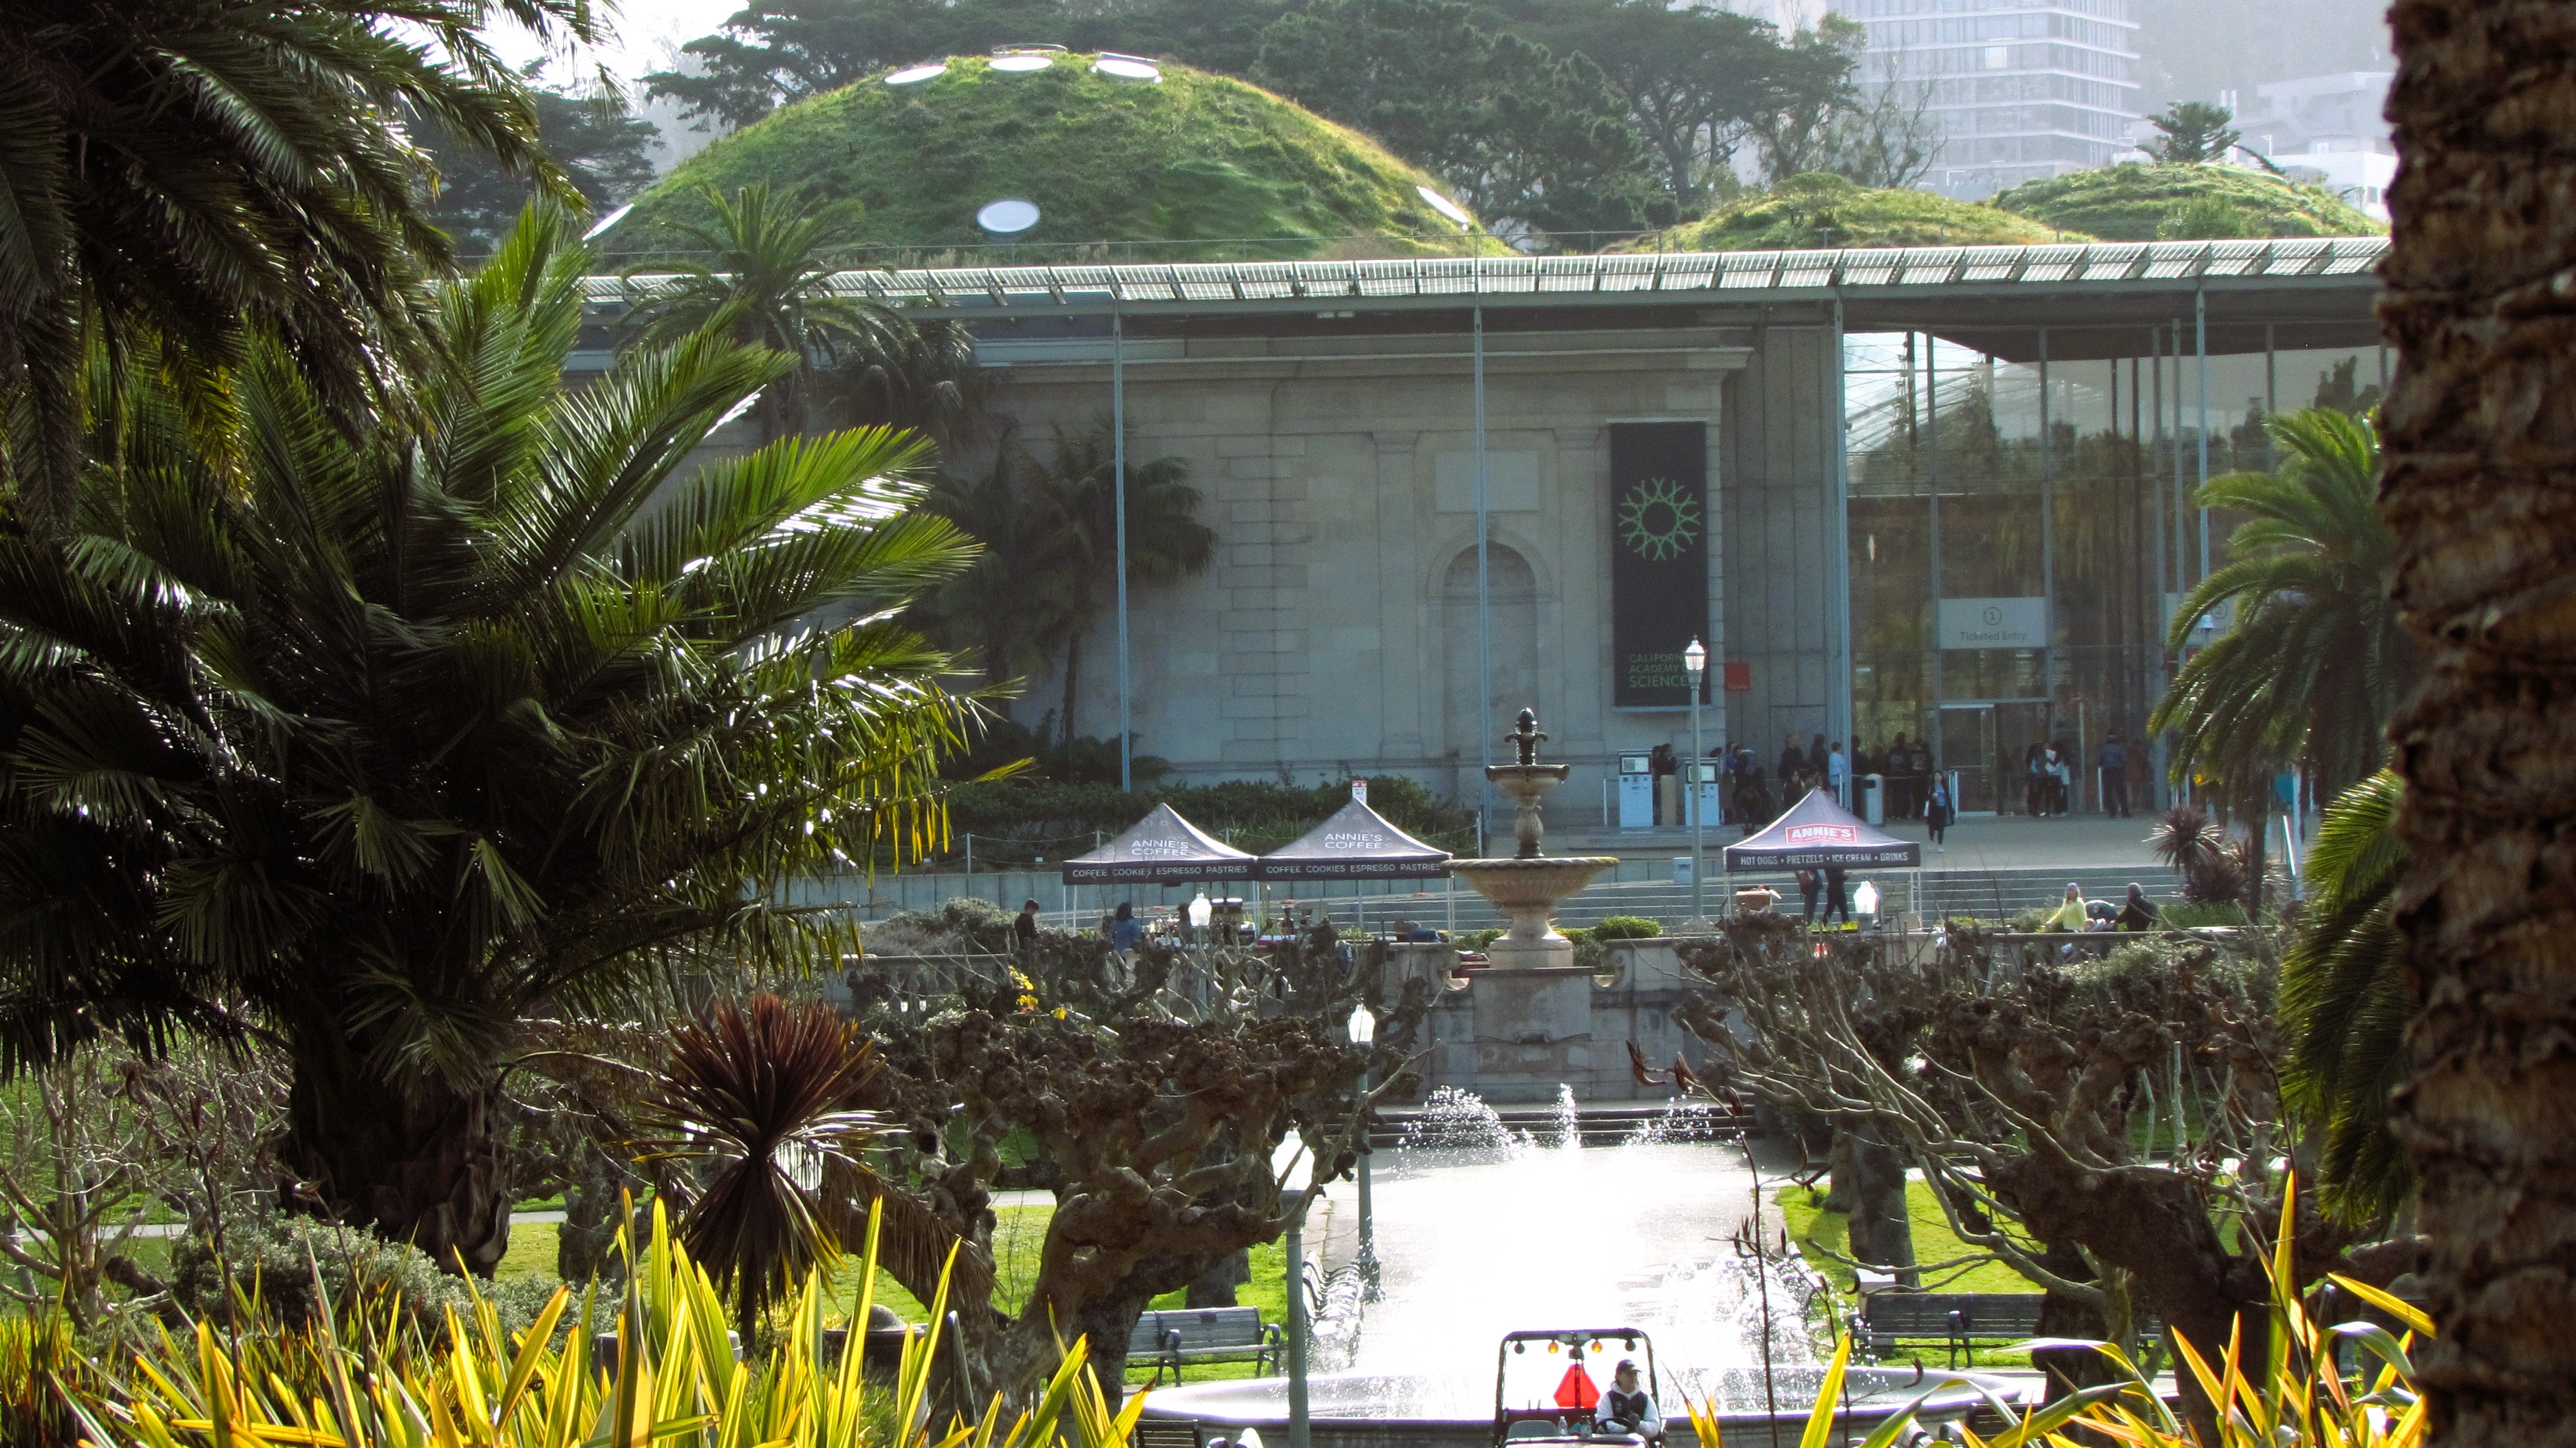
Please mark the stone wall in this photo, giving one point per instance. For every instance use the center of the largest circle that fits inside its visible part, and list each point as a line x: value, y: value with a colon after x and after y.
x: 1337, y: 629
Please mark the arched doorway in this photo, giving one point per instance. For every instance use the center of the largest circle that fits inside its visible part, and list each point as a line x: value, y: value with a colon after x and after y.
x: 1513, y: 608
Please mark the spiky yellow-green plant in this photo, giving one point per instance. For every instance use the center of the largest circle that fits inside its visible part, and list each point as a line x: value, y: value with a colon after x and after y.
x: 2298, y: 1396
x: 655, y: 1368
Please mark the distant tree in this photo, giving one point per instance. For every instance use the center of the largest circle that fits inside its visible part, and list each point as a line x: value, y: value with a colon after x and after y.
x: 1049, y: 534
x: 603, y: 148
x: 1524, y: 135
x: 760, y: 272
x: 1696, y: 80
x: 2193, y: 131
x: 1886, y: 136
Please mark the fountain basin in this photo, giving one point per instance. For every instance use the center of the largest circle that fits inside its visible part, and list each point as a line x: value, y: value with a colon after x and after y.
x: 1527, y: 891
x: 1375, y: 1410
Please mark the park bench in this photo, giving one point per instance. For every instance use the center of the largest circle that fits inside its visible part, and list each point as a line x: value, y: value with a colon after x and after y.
x: 1179, y: 1336
x: 1960, y: 1320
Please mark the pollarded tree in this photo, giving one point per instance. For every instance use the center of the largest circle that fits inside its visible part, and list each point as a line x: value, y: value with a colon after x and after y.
x: 2031, y: 1094
x: 2485, y: 110
x: 1156, y: 1096
x: 390, y: 744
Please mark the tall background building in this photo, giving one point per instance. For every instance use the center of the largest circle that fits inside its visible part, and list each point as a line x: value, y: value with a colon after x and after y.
x: 2016, y: 89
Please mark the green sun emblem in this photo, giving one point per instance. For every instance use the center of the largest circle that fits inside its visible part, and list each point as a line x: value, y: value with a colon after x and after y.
x: 1658, y: 519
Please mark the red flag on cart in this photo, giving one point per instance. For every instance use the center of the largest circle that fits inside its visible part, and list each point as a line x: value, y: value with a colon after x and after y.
x: 1575, y: 1389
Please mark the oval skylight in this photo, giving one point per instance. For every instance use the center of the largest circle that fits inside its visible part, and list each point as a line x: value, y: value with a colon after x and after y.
x: 1445, y: 207
x: 1127, y: 67
x: 916, y: 74
x: 1022, y: 62
x: 605, y: 222
x: 1007, y: 216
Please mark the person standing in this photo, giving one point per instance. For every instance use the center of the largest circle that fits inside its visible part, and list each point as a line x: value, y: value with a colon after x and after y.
x: 1837, y: 894
x: 2034, y: 789
x: 1793, y: 763
x: 1816, y: 761
x: 1668, y: 794
x: 1024, y: 933
x: 1125, y: 930
x: 1921, y: 769
x: 2114, y: 760
x: 1937, y: 812
x: 1809, y: 883
x: 1838, y: 774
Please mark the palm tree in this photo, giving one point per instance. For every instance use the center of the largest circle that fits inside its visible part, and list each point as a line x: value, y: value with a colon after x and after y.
x: 396, y: 742
x: 1002, y: 606
x: 179, y: 175
x: 2344, y: 1003
x: 2478, y: 496
x: 925, y: 378
x: 2313, y: 666
x: 1165, y: 540
x: 762, y: 273
x: 2312, y: 669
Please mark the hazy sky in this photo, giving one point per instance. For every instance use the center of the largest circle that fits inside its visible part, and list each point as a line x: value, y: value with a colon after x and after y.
x: 644, y: 28
x: 2191, y: 49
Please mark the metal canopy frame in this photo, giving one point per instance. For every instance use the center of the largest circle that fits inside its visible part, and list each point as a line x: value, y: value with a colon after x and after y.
x: 1991, y: 298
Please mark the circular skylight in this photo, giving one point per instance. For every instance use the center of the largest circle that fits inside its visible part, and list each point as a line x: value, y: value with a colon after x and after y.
x: 1445, y: 207
x: 1022, y: 61
x: 916, y: 74
x: 1007, y: 216
x: 1127, y: 67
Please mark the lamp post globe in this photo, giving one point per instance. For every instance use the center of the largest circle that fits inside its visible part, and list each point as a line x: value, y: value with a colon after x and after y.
x: 1695, y: 664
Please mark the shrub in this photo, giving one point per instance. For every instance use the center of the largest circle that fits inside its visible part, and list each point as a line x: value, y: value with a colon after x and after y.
x: 280, y: 1258
x: 1627, y: 927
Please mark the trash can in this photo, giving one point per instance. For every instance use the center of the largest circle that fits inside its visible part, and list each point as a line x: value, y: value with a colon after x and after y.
x: 1681, y: 870
x: 1873, y: 798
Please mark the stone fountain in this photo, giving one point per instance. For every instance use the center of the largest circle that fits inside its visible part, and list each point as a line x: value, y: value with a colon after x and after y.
x: 1533, y: 1005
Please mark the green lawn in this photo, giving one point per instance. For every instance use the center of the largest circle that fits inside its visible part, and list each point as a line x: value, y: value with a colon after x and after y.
x: 1811, y: 1228
x: 1019, y: 1234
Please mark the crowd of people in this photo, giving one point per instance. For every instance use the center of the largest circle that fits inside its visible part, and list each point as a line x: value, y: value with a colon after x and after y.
x: 1753, y: 794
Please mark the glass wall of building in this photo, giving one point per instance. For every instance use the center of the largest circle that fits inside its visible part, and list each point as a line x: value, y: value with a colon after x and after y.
x: 2022, y: 532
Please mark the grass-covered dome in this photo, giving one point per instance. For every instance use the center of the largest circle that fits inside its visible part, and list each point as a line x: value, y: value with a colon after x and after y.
x: 2184, y: 202
x: 1190, y: 167
x: 1820, y: 209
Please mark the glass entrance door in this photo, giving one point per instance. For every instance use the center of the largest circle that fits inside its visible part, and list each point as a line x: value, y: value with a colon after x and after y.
x: 1968, y: 755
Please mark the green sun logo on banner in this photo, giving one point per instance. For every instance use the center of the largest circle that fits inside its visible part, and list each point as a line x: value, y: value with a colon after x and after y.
x: 1658, y: 519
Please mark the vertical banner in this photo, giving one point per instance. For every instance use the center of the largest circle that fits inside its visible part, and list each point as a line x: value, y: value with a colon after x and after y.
x: 1659, y: 513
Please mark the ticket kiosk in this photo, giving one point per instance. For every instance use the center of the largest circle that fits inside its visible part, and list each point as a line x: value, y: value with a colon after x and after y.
x: 1636, y: 791
x: 1707, y: 810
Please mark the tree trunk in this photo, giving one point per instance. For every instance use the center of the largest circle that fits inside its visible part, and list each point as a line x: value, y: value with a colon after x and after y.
x: 2062, y: 1316
x: 591, y: 1219
x: 1072, y: 679
x: 1842, y: 1175
x: 1215, y: 1287
x: 418, y: 1161
x: 2479, y: 433
x: 1882, y: 1228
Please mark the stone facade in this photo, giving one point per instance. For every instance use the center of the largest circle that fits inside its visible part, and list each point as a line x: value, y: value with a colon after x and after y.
x: 1337, y: 630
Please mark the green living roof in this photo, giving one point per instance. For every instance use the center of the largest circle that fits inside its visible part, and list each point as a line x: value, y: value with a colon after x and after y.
x: 1187, y: 167
x: 2187, y: 202
x: 1820, y: 209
